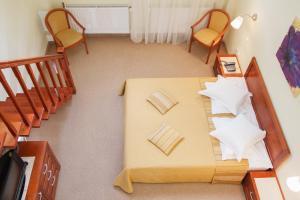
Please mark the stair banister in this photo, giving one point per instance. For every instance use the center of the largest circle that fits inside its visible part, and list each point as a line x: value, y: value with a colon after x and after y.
x: 39, y: 67
x: 53, y: 80
x: 11, y: 94
x: 37, y: 87
x: 25, y: 90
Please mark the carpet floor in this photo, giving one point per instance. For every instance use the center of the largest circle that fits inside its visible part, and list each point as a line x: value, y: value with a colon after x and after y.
x: 86, y: 134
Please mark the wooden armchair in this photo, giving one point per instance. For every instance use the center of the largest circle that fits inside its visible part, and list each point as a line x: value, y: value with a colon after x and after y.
x: 58, y: 24
x: 211, y: 36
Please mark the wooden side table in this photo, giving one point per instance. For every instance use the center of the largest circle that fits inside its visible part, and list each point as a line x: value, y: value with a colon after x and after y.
x: 220, y: 69
x: 45, y: 170
x: 262, y: 185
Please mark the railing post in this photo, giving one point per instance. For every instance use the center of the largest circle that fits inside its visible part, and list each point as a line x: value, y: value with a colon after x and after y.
x: 13, y: 98
x: 37, y: 87
x: 25, y: 90
x: 39, y: 67
x: 56, y: 69
x: 65, y: 67
x: 53, y: 80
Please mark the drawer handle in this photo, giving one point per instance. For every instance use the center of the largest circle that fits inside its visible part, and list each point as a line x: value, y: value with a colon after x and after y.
x: 50, y: 174
x: 45, y: 169
x: 251, y: 197
x: 40, y: 194
x: 53, y: 178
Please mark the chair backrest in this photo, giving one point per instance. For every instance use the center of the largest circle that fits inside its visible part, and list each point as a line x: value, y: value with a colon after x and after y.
x: 57, y: 20
x: 219, y: 20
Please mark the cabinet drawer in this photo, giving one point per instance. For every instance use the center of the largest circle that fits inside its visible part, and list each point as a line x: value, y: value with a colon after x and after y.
x: 51, y: 176
x: 46, y: 172
x: 53, y: 183
x: 250, y: 193
x: 41, y: 196
x: 249, y: 189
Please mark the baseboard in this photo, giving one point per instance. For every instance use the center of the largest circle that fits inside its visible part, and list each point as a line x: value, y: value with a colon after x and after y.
x: 107, y: 34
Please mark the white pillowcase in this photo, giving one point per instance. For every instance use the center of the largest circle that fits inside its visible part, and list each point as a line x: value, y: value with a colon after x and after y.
x: 239, y: 135
x: 228, y: 94
x: 217, y: 107
x: 227, y: 153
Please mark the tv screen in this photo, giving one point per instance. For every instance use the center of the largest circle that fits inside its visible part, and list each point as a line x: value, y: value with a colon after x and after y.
x: 12, y: 176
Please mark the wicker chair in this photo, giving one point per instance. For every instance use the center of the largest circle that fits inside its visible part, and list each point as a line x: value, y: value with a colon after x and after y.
x: 212, y: 34
x: 58, y: 24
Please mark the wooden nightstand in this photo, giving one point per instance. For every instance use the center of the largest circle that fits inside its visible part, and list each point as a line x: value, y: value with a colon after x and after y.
x: 219, y: 68
x: 262, y: 185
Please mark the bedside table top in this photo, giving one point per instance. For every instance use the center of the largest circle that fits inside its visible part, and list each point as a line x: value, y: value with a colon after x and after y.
x: 268, y: 188
x: 230, y: 58
x: 266, y: 185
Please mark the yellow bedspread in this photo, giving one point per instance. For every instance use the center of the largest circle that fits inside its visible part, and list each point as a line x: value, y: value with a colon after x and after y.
x: 191, y: 161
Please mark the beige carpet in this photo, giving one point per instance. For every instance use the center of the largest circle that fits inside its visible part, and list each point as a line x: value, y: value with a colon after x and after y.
x: 86, y: 134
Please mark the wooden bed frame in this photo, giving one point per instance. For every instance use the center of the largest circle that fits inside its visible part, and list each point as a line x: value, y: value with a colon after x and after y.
x: 266, y: 116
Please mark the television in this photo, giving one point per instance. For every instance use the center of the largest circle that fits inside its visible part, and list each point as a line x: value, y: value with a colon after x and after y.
x: 12, y: 176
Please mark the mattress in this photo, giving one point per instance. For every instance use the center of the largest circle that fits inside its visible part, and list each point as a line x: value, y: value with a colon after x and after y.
x: 193, y: 160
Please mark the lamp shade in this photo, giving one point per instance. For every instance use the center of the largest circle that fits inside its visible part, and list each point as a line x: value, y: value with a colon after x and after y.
x: 237, y: 22
x: 293, y: 183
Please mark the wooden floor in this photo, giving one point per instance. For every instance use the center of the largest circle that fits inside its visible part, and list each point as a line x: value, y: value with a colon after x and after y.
x: 86, y: 134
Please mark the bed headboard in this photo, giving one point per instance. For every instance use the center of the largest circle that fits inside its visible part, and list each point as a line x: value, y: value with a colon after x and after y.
x: 266, y: 115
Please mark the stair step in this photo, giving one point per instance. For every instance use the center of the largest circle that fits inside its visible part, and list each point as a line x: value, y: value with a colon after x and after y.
x: 34, y: 94
x: 8, y: 107
x: 68, y: 92
x: 6, y: 138
x: 2, y: 140
x: 65, y: 92
x: 36, y: 99
x: 16, y: 118
x: 33, y: 91
x: 23, y: 101
x: 24, y: 104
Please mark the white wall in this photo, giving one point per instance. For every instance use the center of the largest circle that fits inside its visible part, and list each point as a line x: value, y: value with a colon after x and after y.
x: 262, y: 40
x: 103, y: 2
x: 21, y: 33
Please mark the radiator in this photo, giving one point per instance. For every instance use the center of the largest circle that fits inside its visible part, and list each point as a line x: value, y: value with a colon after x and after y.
x: 99, y: 19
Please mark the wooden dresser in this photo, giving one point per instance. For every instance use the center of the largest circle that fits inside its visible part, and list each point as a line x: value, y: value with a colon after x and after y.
x: 44, y: 176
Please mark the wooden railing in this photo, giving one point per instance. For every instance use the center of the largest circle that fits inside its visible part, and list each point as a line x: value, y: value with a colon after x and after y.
x: 55, y: 81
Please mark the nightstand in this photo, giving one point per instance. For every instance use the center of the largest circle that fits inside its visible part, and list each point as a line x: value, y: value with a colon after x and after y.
x: 220, y: 69
x: 262, y: 185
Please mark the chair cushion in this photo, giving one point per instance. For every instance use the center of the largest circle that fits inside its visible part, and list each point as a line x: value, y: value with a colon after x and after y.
x: 58, y: 21
x: 68, y: 37
x: 218, y: 21
x: 206, y: 36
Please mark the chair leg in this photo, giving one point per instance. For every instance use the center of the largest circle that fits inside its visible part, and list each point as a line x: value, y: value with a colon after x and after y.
x: 85, y: 45
x: 219, y: 47
x: 209, y: 52
x: 190, y: 46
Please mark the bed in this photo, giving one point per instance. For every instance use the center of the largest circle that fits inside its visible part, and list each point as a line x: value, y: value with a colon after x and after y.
x: 197, y: 158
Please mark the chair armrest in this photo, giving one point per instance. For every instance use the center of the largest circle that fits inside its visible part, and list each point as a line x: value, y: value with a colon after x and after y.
x: 76, y: 21
x: 58, y: 41
x: 221, y: 35
x: 200, y: 20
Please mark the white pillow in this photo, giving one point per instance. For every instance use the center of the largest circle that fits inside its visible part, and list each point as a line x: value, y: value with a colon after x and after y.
x: 228, y: 93
x: 239, y: 135
x: 217, y: 107
x: 227, y: 153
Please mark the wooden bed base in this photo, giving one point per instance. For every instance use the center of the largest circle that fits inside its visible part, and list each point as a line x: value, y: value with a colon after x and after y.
x: 266, y: 116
